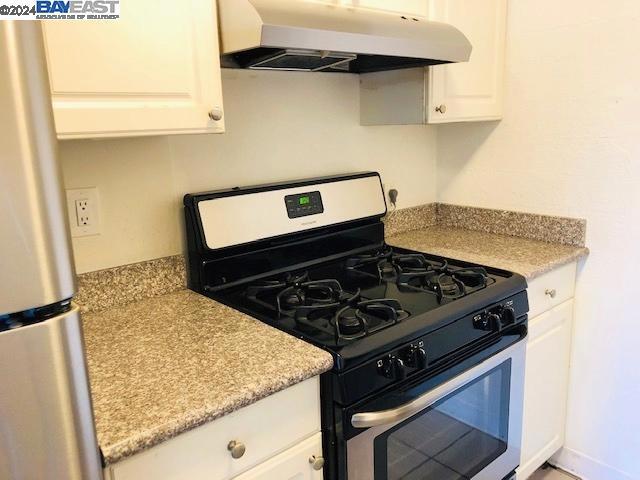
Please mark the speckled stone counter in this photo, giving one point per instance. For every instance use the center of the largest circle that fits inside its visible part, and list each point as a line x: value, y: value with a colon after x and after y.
x: 530, y: 258
x: 114, y: 287
x: 164, y: 365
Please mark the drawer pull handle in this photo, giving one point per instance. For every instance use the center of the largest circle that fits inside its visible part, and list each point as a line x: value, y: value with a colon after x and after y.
x: 236, y: 448
x: 550, y: 292
x: 316, y: 462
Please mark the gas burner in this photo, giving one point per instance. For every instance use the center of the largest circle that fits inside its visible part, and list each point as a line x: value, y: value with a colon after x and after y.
x: 390, y: 266
x: 318, y: 293
x: 409, y: 265
x: 366, y: 317
x: 448, y: 283
x: 473, y: 277
x: 265, y: 286
x: 358, y: 261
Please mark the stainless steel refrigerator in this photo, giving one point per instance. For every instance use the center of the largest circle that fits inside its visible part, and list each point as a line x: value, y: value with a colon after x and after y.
x: 46, y: 420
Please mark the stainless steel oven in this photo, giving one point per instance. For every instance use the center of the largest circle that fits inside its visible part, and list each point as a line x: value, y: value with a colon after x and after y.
x: 466, y: 426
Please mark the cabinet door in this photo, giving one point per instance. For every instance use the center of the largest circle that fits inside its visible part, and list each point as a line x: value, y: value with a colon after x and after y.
x: 546, y: 386
x: 473, y: 90
x: 153, y: 71
x: 297, y: 463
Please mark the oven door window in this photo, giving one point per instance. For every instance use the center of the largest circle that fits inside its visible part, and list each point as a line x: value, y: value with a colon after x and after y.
x: 453, y: 439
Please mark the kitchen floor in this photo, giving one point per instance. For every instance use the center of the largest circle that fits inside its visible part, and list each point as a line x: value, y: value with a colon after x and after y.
x: 551, y: 474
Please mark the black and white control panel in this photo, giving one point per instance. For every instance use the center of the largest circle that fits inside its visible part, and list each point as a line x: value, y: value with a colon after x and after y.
x: 303, y: 204
x: 241, y: 215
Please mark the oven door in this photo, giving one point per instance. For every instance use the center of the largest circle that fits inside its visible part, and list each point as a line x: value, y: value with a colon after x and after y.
x: 468, y: 427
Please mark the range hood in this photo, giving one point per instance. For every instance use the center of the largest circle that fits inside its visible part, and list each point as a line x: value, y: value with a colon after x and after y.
x: 312, y: 35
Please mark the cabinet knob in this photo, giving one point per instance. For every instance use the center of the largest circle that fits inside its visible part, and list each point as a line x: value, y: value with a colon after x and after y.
x: 316, y: 462
x: 550, y: 292
x: 441, y: 108
x: 215, y: 114
x: 236, y: 448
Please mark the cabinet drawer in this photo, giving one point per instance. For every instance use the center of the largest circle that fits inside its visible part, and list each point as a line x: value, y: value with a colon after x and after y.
x: 293, y: 464
x: 265, y: 428
x: 551, y: 289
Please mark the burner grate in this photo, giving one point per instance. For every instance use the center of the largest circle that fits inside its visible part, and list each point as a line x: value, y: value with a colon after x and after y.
x: 416, y: 271
x: 324, y: 306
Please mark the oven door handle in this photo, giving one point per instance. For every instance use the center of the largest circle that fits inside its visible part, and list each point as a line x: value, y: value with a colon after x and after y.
x: 396, y: 415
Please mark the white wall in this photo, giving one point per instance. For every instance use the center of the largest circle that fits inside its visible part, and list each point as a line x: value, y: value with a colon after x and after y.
x: 280, y: 126
x: 570, y: 145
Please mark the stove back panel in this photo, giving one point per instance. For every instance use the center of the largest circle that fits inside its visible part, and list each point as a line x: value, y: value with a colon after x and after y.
x: 245, y: 215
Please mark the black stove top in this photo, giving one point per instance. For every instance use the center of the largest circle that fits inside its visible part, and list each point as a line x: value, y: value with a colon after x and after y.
x: 361, y: 295
x: 353, y: 304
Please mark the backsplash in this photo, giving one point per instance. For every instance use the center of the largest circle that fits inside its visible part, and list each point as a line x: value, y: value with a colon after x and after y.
x: 114, y: 287
x: 413, y: 218
x: 546, y: 228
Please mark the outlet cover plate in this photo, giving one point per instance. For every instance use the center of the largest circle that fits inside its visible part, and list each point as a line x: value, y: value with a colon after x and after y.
x: 90, y: 195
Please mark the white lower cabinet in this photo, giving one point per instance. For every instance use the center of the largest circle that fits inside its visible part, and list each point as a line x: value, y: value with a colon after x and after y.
x: 280, y: 432
x: 547, y: 371
x: 302, y: 462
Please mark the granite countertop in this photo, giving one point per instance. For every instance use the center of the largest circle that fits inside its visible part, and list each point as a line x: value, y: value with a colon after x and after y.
x: 530, y: 258
x: 164, y: 365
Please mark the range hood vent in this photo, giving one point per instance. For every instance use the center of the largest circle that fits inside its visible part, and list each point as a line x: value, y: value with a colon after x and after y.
x: 311, y: 35
x: 301, y: 60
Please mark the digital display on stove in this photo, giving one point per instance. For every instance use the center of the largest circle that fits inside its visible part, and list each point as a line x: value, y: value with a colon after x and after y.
x: 303, y: 204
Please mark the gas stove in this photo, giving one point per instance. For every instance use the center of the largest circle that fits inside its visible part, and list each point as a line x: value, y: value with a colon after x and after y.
x: 310, y: 258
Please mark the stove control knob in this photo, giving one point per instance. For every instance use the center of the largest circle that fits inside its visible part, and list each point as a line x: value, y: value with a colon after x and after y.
x: 392, y: 367
x: 494, y: 322
x: 489, y: 322
x: 421, y: 358
x: 399, y: 372
x: 508, y: 316
x: 416, y: 357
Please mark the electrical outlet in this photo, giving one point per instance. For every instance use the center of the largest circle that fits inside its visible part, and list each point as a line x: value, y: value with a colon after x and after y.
x: 84, y: 212
x: 83, y: 217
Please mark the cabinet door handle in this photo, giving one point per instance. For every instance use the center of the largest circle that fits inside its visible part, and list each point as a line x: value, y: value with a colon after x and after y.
x: 215, y: 114
x: 550, y: 292
x: 441, y: 108
x: 316, y: 462
x: 236, y: 448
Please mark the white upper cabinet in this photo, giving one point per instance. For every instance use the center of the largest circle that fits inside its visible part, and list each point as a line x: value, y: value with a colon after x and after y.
x: 154, y: 71
x: 469, y: 91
